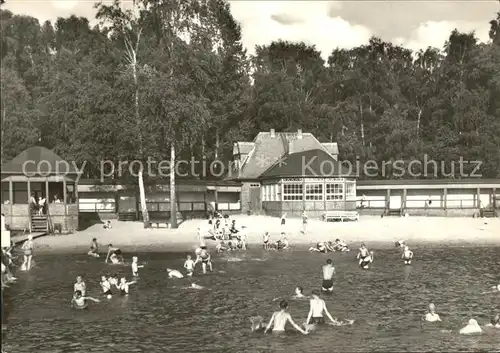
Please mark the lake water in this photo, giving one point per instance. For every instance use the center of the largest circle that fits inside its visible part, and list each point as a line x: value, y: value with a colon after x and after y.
x: 162, y: 315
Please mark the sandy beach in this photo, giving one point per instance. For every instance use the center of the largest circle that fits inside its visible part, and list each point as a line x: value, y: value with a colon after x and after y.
x: 374, y: 231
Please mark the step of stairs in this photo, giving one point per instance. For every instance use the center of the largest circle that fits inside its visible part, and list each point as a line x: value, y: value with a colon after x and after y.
x: 489, y: 213
x: 130, y: 217
x: 39, y: 223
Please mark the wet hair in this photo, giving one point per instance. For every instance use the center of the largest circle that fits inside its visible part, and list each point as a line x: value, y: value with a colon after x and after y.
x: 301, y: 290
x: 315, y: 292
x: 78, y: 292
x: 337, y: 239
x: 94, y: 239
x: 111, y: 245
x: 329, y: 261
x: 283, y: 304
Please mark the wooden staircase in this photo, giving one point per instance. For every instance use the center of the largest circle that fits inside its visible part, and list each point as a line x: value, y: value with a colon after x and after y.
x: 39, y: 224
x: 130, y: 217
x: 393, y: 212
x: 488, y: 213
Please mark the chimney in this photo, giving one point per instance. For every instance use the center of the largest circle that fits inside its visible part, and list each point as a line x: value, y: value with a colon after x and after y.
x: 299, y: 134
x: 273, y: 133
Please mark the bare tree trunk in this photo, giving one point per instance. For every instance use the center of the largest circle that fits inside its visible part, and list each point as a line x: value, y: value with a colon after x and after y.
x: 418, y: 121
x: 4, y: 120
x: 216, y: 194
x: 173, y: 203
x: 142, y: 195
x: 362, y: 124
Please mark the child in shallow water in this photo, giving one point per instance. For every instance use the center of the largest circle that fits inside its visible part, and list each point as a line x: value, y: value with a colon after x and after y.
x: 80, y: 285
x: 123, y: 286
x: 106, y: 287
x: 80, y: 302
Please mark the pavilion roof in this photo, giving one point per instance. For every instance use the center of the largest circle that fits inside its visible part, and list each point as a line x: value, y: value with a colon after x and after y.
x: 36, y: 161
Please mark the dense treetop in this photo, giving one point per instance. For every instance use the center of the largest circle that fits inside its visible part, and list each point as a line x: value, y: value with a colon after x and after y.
x: 176, y: 72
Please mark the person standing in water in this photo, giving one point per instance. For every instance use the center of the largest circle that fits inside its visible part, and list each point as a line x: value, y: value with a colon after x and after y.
x: 80, y: 286
x: 94, y: 248
x: 79, y: 301
x: 205, y: 259
x: 328, y: 272
x: 407, y: 255
x: 364, y: 256
x: 280, y: 318
x: 189, y: 266
x: 432, y: 316
x: 28, y: 253
x: 135, y: 266
x: 317, y: 307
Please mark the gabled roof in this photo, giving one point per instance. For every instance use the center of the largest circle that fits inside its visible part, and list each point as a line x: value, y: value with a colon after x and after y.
x: 268, y: 149
x: 242, y: 148
x: 311, y: 163
x: 38, y: 161
x: 332, y: 148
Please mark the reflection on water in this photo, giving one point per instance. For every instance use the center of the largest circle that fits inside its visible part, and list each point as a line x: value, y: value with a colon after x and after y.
x: 162, y: 315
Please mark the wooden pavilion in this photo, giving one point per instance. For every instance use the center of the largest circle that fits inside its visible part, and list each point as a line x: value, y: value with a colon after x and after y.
x: 38, y: 174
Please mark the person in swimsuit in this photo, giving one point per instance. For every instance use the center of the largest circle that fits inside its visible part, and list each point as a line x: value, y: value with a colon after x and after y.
x: 495, y: 321
x: 79, y: 301
x: 280, y: 318
x: 106, y: 287
x: 364, y: 257
x: 123, y: 286
x: 205, y: 259
x: 285, y: 243
x: 328, y: 272
x: 113, y: 280
x: 135, y: 266
x: 94, y: 248
x: 407, y: 255
x: 320, y: 247
x: 266, y: 239
x: 107, y: 225
x: 299, y: 293
x: 189, y: 266
x: 472, y: 327
x: 317, y: 307
x: 257, y: 323
x: 114, y: 254
x: 174, y: 273
x: 283, y: 220
x: 304, y: 222
x: 399, y: 244
x: 80, y: 286
x: 432, y: 316
x: 27, y: 253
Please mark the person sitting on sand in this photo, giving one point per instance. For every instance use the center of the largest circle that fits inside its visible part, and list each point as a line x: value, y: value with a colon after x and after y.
x: 495, y: 321
x: 407, y: 255
x: 329, y: 246
x: 299, y: 293
x: 364, y: 256
x: 285, y: 243
x: 316, y: 309
x: 79, y: 301
x: 205, y: 259
x: 472, y: 327
x: 94, y: 248
x: 341, y: 246
x: 80, y: 285
x: 174, y: 273
x: 328, y: 272
x: 320, y: 247
x: 114, y: 254
x: 221, y: 246
x: 280, y: 318
x: 107, y: 225
x: 123, y: 286
x: 233, y: 228
x: 106, y: 287
x: 432, y: 316
x: 189, y: 266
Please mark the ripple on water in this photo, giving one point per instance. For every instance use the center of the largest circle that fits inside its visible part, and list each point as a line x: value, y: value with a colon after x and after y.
x: 160, y: 315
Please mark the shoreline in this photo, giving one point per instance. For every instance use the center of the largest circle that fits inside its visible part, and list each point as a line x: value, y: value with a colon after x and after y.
x: 376, y: 232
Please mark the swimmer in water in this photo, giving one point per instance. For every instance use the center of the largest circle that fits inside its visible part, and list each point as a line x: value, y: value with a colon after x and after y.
x: 136, y: 266
x: 328, y: 272
x: 299, y: 293
x: 123, y: 286
x: 94, y: 248
x: 205, y: 259
x: 174, y: 273
x: 471, y: 328
x: 189, y: 266
x: 407, y: 255
x: 114, y: 254
x: 495, y: 321
x: 432, y: 316
x: 280, y: 318
x: 364, y: 256
x: 79, y: 301
x: 317, y: 307
x: 106, y: 286
x: 80, y: 286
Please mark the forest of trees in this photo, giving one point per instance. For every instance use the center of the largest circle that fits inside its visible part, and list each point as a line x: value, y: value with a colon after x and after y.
x: 173, y: 77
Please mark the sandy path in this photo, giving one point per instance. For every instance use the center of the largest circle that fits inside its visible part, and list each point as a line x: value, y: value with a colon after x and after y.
x: 372, y: 230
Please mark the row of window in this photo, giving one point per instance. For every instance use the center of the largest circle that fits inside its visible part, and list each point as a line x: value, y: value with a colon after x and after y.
x: 311, y: 192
